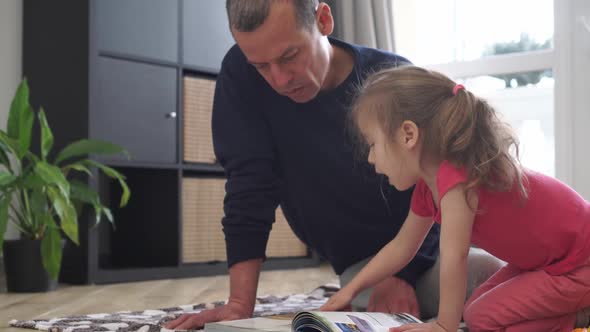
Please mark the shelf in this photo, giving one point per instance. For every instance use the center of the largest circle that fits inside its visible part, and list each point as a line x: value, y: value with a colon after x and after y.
x: 200, y: 71
x: 201, y: 167
x: 105, y: 276
x: 187, y: 70
x: 132, y: 84
x: 138, y: 165
x: 138, y: 59
x: 146, y: 230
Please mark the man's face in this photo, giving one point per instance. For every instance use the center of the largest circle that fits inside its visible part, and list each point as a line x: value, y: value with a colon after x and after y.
x: 292, y: 59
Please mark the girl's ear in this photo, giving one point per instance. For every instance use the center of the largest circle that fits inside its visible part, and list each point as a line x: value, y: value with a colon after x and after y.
x: 410, y: 134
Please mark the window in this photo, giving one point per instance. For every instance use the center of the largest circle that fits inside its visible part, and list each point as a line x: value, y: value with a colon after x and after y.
x: 496, y: 52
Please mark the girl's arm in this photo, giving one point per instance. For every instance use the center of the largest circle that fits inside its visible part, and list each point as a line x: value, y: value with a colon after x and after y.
x: 388, y: 261
x: 457, y: 222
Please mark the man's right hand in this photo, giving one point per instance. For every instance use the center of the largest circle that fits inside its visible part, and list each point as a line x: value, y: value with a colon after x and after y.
x: 243, y: 281
x: 230, y: 311
x: 339, y: 301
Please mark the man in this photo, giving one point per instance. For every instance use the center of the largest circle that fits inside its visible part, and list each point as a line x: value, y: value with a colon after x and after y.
x: 279, y: 131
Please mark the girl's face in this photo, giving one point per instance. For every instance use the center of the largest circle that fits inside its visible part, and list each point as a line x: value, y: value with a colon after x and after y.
x: 395, y: 157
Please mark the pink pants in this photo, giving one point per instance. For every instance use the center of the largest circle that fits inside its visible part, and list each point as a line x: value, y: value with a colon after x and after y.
x: 514, y: 300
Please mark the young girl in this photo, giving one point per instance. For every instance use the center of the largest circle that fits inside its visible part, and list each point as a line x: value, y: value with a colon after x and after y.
x: 422, y: 129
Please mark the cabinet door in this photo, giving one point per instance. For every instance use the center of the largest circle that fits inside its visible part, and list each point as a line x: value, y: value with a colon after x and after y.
x: 206, y: 34
x: 134, y: 105
x: 145, y: 28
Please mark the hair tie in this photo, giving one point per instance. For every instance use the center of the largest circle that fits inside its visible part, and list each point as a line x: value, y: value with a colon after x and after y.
x: 457, y: 88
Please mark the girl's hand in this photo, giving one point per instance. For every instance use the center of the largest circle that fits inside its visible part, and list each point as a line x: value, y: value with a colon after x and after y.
x: 423, y: 327
x: 339, y: 301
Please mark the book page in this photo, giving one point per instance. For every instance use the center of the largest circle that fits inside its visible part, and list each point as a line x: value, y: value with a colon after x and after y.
x: 268, y: 324
x: 351, y: 321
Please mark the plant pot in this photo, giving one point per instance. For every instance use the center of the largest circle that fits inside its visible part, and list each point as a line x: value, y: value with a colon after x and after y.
x: 24, y: 268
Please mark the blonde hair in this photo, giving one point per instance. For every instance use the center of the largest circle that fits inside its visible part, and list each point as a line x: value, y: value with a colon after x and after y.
x: 462, y: 129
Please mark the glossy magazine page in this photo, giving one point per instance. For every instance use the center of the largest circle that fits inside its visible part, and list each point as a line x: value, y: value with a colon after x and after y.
x: 311, y: 321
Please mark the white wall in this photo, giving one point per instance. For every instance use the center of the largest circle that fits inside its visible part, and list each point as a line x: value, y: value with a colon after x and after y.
x: 11, y: 14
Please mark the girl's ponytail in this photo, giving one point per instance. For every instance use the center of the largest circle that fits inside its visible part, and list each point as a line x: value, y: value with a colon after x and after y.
x: 475, y: 138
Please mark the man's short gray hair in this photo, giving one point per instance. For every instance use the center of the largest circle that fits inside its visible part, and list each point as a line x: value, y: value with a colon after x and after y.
x: 248, y: 15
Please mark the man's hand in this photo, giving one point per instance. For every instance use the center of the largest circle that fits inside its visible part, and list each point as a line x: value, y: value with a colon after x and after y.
x: 230, y: 311
x: 339, y: 301
x: 394, y: 295
x: 243, y: 281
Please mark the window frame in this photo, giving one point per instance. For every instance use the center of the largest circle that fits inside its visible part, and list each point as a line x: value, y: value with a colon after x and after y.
x: 569, y: 63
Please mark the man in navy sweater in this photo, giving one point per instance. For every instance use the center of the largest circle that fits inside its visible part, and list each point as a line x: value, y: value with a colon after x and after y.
x: 279, y: 131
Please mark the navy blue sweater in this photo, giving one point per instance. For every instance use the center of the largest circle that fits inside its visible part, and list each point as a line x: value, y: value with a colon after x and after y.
x: 275, y: 151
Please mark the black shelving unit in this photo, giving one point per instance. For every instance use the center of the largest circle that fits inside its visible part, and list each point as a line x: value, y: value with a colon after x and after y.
x: 113, y: 70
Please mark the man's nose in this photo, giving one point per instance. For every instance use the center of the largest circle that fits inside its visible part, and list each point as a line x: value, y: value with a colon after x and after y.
x: 280, y: 76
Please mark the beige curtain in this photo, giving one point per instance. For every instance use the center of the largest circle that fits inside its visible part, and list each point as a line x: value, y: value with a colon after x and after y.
x: 364, y: 22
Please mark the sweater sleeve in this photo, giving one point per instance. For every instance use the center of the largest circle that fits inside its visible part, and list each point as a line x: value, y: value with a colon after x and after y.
x: 243, y: 146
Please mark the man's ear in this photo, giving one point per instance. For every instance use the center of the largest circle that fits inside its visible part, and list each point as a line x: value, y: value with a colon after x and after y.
x: 324, y: 19
x: 410, y: 134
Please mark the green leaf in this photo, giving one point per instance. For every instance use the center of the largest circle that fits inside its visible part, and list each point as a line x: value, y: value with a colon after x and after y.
x: 32, y: 181
x: 78, y: 205
x: 66, y: 212
x: 53, y: 175
x: 51, y: 248
x: 115, y: 175
x: 84, y: 193
x: 85, y: 147
x: 33, y: 157
x: 38, y: 207
x: 9, y: 144
x: 20, y: 103
x: 38, y: 202
x: 20, y: 119
x: 78, y: 167
x: 26, y: 127
x: 4, y: 201
x: 6, y: 178
x: 99, y: 210
x: 108, y: 214
x: 4, y: 156
x: 46, y: 135
x: 97, y: 214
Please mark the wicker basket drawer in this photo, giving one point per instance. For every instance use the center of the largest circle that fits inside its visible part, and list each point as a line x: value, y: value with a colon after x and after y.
x: 282, y: 242
x: 202, y: 237
x: 197, y: 110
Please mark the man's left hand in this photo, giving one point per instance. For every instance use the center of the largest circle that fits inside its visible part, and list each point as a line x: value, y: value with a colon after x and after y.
x: 429, y: 327
x: 394, y: 295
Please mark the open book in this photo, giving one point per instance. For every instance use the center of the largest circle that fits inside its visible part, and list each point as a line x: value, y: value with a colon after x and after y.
x: 316, y: 321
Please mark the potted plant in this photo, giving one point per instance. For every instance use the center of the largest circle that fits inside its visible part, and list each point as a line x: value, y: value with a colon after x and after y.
x: 41, y: 196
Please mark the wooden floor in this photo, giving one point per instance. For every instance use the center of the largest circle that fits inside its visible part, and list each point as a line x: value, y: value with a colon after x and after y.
x: 75, y: 300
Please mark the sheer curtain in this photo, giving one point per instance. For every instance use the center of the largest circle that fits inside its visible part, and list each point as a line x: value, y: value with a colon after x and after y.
x: 364, y: 22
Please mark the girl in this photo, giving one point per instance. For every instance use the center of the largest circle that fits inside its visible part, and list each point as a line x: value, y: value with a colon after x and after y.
x: 424, y: 130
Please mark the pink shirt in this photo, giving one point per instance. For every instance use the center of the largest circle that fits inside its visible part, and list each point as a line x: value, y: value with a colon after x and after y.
x: 550, y: 231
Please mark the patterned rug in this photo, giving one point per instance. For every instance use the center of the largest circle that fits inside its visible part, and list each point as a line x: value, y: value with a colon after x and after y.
x: 152, y: 320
